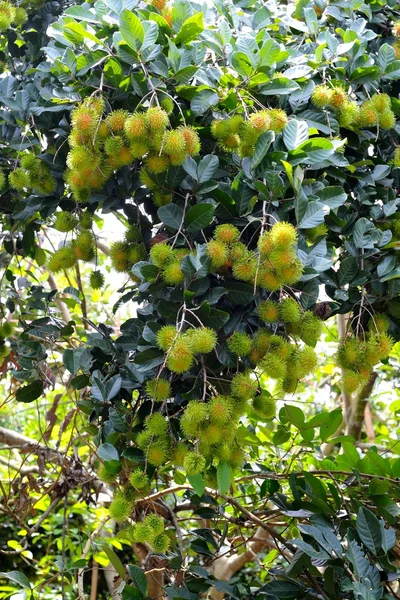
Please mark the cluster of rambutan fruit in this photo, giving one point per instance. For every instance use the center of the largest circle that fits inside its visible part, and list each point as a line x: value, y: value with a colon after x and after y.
x: 357, y: 356
x: 100, y: 145
x: 240, y: 136
x: 32, y: 174
x: 11, y: 15
x: 374, y: 112
x: 275, y: 265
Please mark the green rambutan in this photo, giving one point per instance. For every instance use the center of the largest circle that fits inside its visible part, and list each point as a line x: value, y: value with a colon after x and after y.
x: 230, y: 142
x: 349, y: 114
x: 223, y: 451
x: 273, y: 366
x: 194, y: 417
x: 180, y: 358
x: 243, y: 387
x: 158, y: 389
x: 321, y: 96
x: 381, y: 102
x: 173, y: 274
x: 85, y: 220
x: 220, y: 129
x: 383, y: 344
x: 161, y: 254
x: 113, y: 144
x: 157, y: 454
x: 192, y: 140
x: 138, y: 149
x: 220, y: 410
x: 249, y: 134
x: 212, y: 434
x: 62, y: 259
x: 97, y: 280
x: 279, y: 119
x: 289, y: 384
x: 65, y: 221
x: 368, y: 116
x: 291, y: 274
x: 218, y: 252
x: 246, y: 150
x: 264, y: 406
x: 245, y: 269
x: 202, y: 340
x: 160, y: 543
x: 139, y: 480
x: 156, y: 164
x: 174, y: 143
x: 307, y: 361
x: 135, y: 127
x: 119, y: 255
x: 348, y: 355
x: 162, y: 199
x: 289, y: 311
x: 396, y: 157
x: 268, y: 311
x: 351, y: 381
x: 283, y: 235
x: 261, y: 121
x: 237, y: 252
x: 142, y: 534
x: 339, y: 98
x: 19, y: 179
x: 240, y: 343
x: 166, y: 336
x: 265, y: 244
x: 120, y: 508
x: 6, y: 329
x: 156, y: 119
x: 387, y: 119
x: 83, y: 246
x: 234, y: 124
x: 136, y: 253
x: 179, y: 454
x: 310, y: 328
x: 379, y: 323
x: 156, y: 424
x: 104, y: 475
x: 167, y: 104
x: 269, y: 280
x: 155, y: 523
x: 194, y: 463
x: 116, y: 120
x: 227, y: 233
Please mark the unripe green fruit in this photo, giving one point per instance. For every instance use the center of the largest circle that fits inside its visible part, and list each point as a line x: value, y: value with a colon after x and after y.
x: 173, y: 274
x: 283, y: 235
x: 273, y: 366
x: 180, y: 357
x: 279, y: 119
x: 321, y: 96
x: 281, y: 258
x: 192, y: 140
x: 162, y: 199
x: 120, y: 508
x: 230, y: 142
x: 224, y: 451
x: 166, y: 336
x: 194, y: 463
x: 292, y: 273
x: 113, y: 144
x: 396, y: 157
x: 220, y: 129
x: 157, y: 454
x: 83, y: 246
x: 308, y: 361
x: 156, y: 424
x: 268, y: 311
x: 97, y: 280
x: 261, y: 121
x: 211, y: 434
x: 226, y: 233
x: 238, y: 252
x: 167, y: 104
x: 139, y: 480
x: 174, y: 143
x: 351, y: 381
x: 142, y: 534
x: 62, y: 259
x: 265, y: 244
x: 65, y: 221
x: 246, y: 269
x: 381, y: 102
x: 144, y: 439
x: 218, y: 252
x: 115, y: 121
x: 383, y: 344
x: 269, y: 280
x: 135, y: 128
x: 19, y: 179
x: 348, y: 355
x: 289, y: 311
x: 119, y: 256
x: 379, y: 323
x: 158, y: 389
x: 160, y: 543
x: 243, y: 387
x: 310, y: 329
x: 105, y: 475
x: 386, y: 119
x: 220, y: 410
x: 156, y: 164
x: 202, y: 340
x: 240, y: 343
x: 193, y: 418
x: 349, y: 114
x: 265, y: 406
x: 155, y: 523
x: 289, y: 384
x: 179, y: 454
x: 156, y: 119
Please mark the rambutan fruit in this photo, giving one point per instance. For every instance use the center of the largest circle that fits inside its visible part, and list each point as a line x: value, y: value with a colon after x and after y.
x: 136, y: 253
x: 234, y: 124
x: 192, y: 140
x: 156, y: 119
x: 179, y: 454
x: 96, y: 103
x: 160, y: 543
x: 156, y: 424
x: 138, y: 149
x: 194, y: 463
x: 174, y: 143
x: 280, y: 258
x: 142, y: 534
x: 283, y: 235
x: 65, y: 221
x: 237, y: 252
x: 5, y: 21
x: 264, y: 406
x: 261, y: 121
x: 351, y: 381
x: 246, y: 150
x: 83, y: 246
x: 135, y: 127
x: 279, y: 120
x: 273, y: 366
x: 349, y: 114
x: 162, y: 199
x: 156, y: 164
x: 84, y: 120
x: 3, y: 180
x: 166, y: 336
x: 158, y: 389
x: 368, y: 116
x: 339, y: 98
x: 291, y: 274
x: 116, y: 120
x: 387, y: 119
x: 139, y: 480
x: 230, y: 142
x: 119, y: 255
x: 19, y: 179
x: 289, y: 384
x: 120, y: 508
x: 157, y: 454
x: 348, y: 355
x: 249, y: 134
x: 218, y: 252
x: 97, y: 280
x: 240, y: 343
x: 212, y: 434
x: 167, y: 103
x: 220, y: 129
x: 265, y: 244
x: 223, y: 451
x: 227, y: 233
x: 396, y: 157
x: 268, y: 311
x: 133, y: 234
x: 379, y: 323
x: 173, y: 274
x: 30, y: 162
x: 383, y: 344
x: 62, y: 259
x: 155, y: 523
x: 101, y: 131
x: 243, y: 387
x: 105, y: 475
x: 202, y: 340
x: 194, y: 417
x: 396, y: 29
x: 180, y: 358
x: 321, y: 96
x: 262, y: 341
x: 144, y: 439
x: 289, y: 311
x: 245, y: 269
x: 310, y: 328
x: 220, y: 410
x: 381, y: 102
x: 113, y: 144
x: 160, y: 254
x: 307, y: 361
x: 269, y: 280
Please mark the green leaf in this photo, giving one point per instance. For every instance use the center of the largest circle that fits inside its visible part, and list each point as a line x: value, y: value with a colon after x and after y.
x: 171, y: 215
x: 329, y: 428
x: 386, y: 56
x: 19, y: 578
x: 139, y: 578
x: 223, y: 477
x: 295, y: 415
x: 107, y: 452
x: 203, y: 100
x: 190, y: 30
x: 295, y: 133
x: 207, y: 168
x: 199, y: 217
x: 332, y: 196
x: 263, y: 144
x: 29, y: 393
x: 369, y: 530
x: 114, y: 560
x: 313, y: 216
x: 81, y: 31
x: 348, y: 270
x: 317, y: 149
x: 197, y: 483
x: 131, y: 29
x: 365, y: 74
x: 279, y: 86
x: 393, y: 71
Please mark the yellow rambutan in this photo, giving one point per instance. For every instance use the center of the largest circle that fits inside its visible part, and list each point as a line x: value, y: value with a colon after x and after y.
x: 261, y: 120
x: 156, y: 119
x: 166, y: 336
x: 192, y: 140
x: 282, y: 257
x: 173, y: 274
x: 289, y: 310
x: 268, y: 311
x: 138, y: 149
x: 180, y: 358
x: 135, y: 127
x: 269, y: 280
x: 387, y: 119
x: 265, y: 244
x: 119, y: 255
x: 245, y: 269
x: 156, y: 164
x: 202, y: 340
x: 279, y: 119
x: 158, y: 389
x: 220, y: 410
x: 321, y: 96
x: 84, y: 120
x: 227, y: 233
x: 218, y: 252
x: 116, y: 119
x: 290, y: 274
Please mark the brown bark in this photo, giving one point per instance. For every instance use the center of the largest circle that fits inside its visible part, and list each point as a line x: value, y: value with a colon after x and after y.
x: 359, y: 406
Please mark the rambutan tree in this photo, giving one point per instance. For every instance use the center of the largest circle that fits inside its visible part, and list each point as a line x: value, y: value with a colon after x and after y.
x: 248, y: 153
